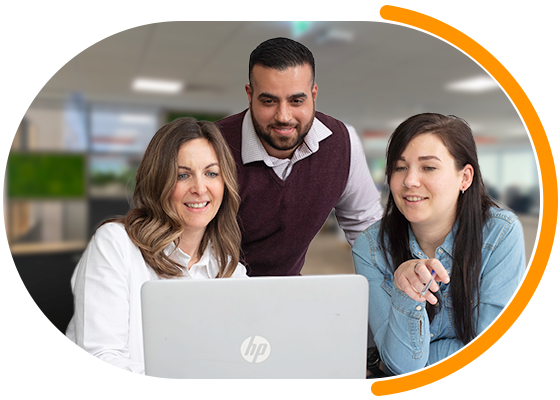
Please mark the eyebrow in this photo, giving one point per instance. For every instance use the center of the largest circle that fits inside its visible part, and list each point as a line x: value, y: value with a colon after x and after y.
x: 208, y: 166
x: 266, y: 95
x: 423, y: 158
x: 426, y: 158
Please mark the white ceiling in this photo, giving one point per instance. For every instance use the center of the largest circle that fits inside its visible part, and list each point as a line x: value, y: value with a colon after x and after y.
x: 383, y: 75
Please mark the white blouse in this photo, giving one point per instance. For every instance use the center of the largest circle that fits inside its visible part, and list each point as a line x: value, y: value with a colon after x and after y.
x: 107, y: 319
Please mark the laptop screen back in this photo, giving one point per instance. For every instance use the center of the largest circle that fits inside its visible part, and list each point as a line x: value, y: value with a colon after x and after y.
x: 266, y: 327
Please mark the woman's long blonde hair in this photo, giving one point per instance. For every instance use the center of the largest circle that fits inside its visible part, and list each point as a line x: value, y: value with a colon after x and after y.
x: 152, y: 224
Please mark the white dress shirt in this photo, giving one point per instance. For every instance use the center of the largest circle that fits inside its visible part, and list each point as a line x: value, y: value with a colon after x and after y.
x: 107, y: 319
x: 358, y: 207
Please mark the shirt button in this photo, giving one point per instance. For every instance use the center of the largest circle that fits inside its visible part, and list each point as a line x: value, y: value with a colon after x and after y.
x: 440, y: 251
x: 418, y: 308
x: 431, y: 335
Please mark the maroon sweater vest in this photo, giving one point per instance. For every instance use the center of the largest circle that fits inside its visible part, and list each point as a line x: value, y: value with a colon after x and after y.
x: 279, y: 219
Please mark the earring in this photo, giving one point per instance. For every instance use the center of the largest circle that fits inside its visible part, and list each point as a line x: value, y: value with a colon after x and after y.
x: 462, y: 191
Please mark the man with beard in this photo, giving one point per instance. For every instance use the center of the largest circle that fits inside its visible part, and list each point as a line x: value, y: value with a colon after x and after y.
x: 294, y: 165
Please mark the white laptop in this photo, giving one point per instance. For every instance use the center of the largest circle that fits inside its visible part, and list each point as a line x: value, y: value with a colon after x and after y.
x: 266, y: 327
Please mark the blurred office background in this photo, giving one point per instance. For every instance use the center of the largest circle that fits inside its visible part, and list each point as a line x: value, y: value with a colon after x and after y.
x: 74, y: 157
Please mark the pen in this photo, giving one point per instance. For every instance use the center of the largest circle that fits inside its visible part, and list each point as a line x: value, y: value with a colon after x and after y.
x: 423, y: 292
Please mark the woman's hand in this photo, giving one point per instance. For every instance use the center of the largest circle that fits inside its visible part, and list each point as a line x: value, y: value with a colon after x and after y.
x: 412, y: 275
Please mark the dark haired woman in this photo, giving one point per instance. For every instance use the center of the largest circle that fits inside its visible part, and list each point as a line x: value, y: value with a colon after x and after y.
x: 182, y: 226
x: 439, y: 222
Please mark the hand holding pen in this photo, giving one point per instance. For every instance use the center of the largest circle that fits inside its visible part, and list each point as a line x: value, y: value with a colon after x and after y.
x: 427, y: 285
x: 419, y: 278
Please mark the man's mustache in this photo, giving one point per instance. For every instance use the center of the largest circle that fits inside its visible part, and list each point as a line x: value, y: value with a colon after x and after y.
x: 283, y: 125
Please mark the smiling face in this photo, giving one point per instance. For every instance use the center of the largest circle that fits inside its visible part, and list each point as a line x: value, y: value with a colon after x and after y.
x: 425, y: 183
x: 282, y: 106
x: 199, y: 189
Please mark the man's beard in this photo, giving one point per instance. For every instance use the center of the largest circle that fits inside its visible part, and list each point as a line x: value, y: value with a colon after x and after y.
x: 279, y: 142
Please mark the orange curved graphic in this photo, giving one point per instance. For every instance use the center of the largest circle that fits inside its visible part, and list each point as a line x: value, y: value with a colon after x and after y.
x: 518, y: 46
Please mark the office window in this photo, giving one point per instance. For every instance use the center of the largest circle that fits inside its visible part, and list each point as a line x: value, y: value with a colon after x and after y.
x: 519, y: 170
x: 122, y: 130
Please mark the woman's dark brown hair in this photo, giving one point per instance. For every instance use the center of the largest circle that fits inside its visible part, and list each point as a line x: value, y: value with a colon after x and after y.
x: 472, y: 212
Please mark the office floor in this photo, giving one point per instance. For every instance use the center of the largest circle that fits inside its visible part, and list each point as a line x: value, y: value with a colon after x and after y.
x: 329, y: 254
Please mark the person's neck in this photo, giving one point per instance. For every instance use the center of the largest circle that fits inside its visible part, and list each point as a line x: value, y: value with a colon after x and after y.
x: 189, y: 244
x: 429, y: 238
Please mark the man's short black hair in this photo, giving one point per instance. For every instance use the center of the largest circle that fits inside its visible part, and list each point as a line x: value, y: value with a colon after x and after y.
x: 281, y: 53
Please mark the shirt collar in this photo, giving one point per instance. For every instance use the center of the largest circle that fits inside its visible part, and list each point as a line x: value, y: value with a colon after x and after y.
x: 447, y: 245
x: 253, y: 150
x: 179, y: 256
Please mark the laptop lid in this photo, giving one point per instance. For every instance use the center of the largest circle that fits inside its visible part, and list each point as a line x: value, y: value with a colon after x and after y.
x: 265, y: 327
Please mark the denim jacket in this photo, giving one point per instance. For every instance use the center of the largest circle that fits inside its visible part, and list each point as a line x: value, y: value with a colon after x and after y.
x: 405, y: 338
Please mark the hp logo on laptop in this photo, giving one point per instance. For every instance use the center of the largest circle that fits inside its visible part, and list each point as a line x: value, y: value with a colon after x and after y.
x: 255, y: 349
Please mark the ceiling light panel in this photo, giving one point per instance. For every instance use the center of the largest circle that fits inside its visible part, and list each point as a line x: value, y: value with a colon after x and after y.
x: 474, y: 84
x: 157, y: 85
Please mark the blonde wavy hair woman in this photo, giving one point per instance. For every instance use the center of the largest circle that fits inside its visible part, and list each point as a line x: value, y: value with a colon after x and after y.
x: 182, y: 225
